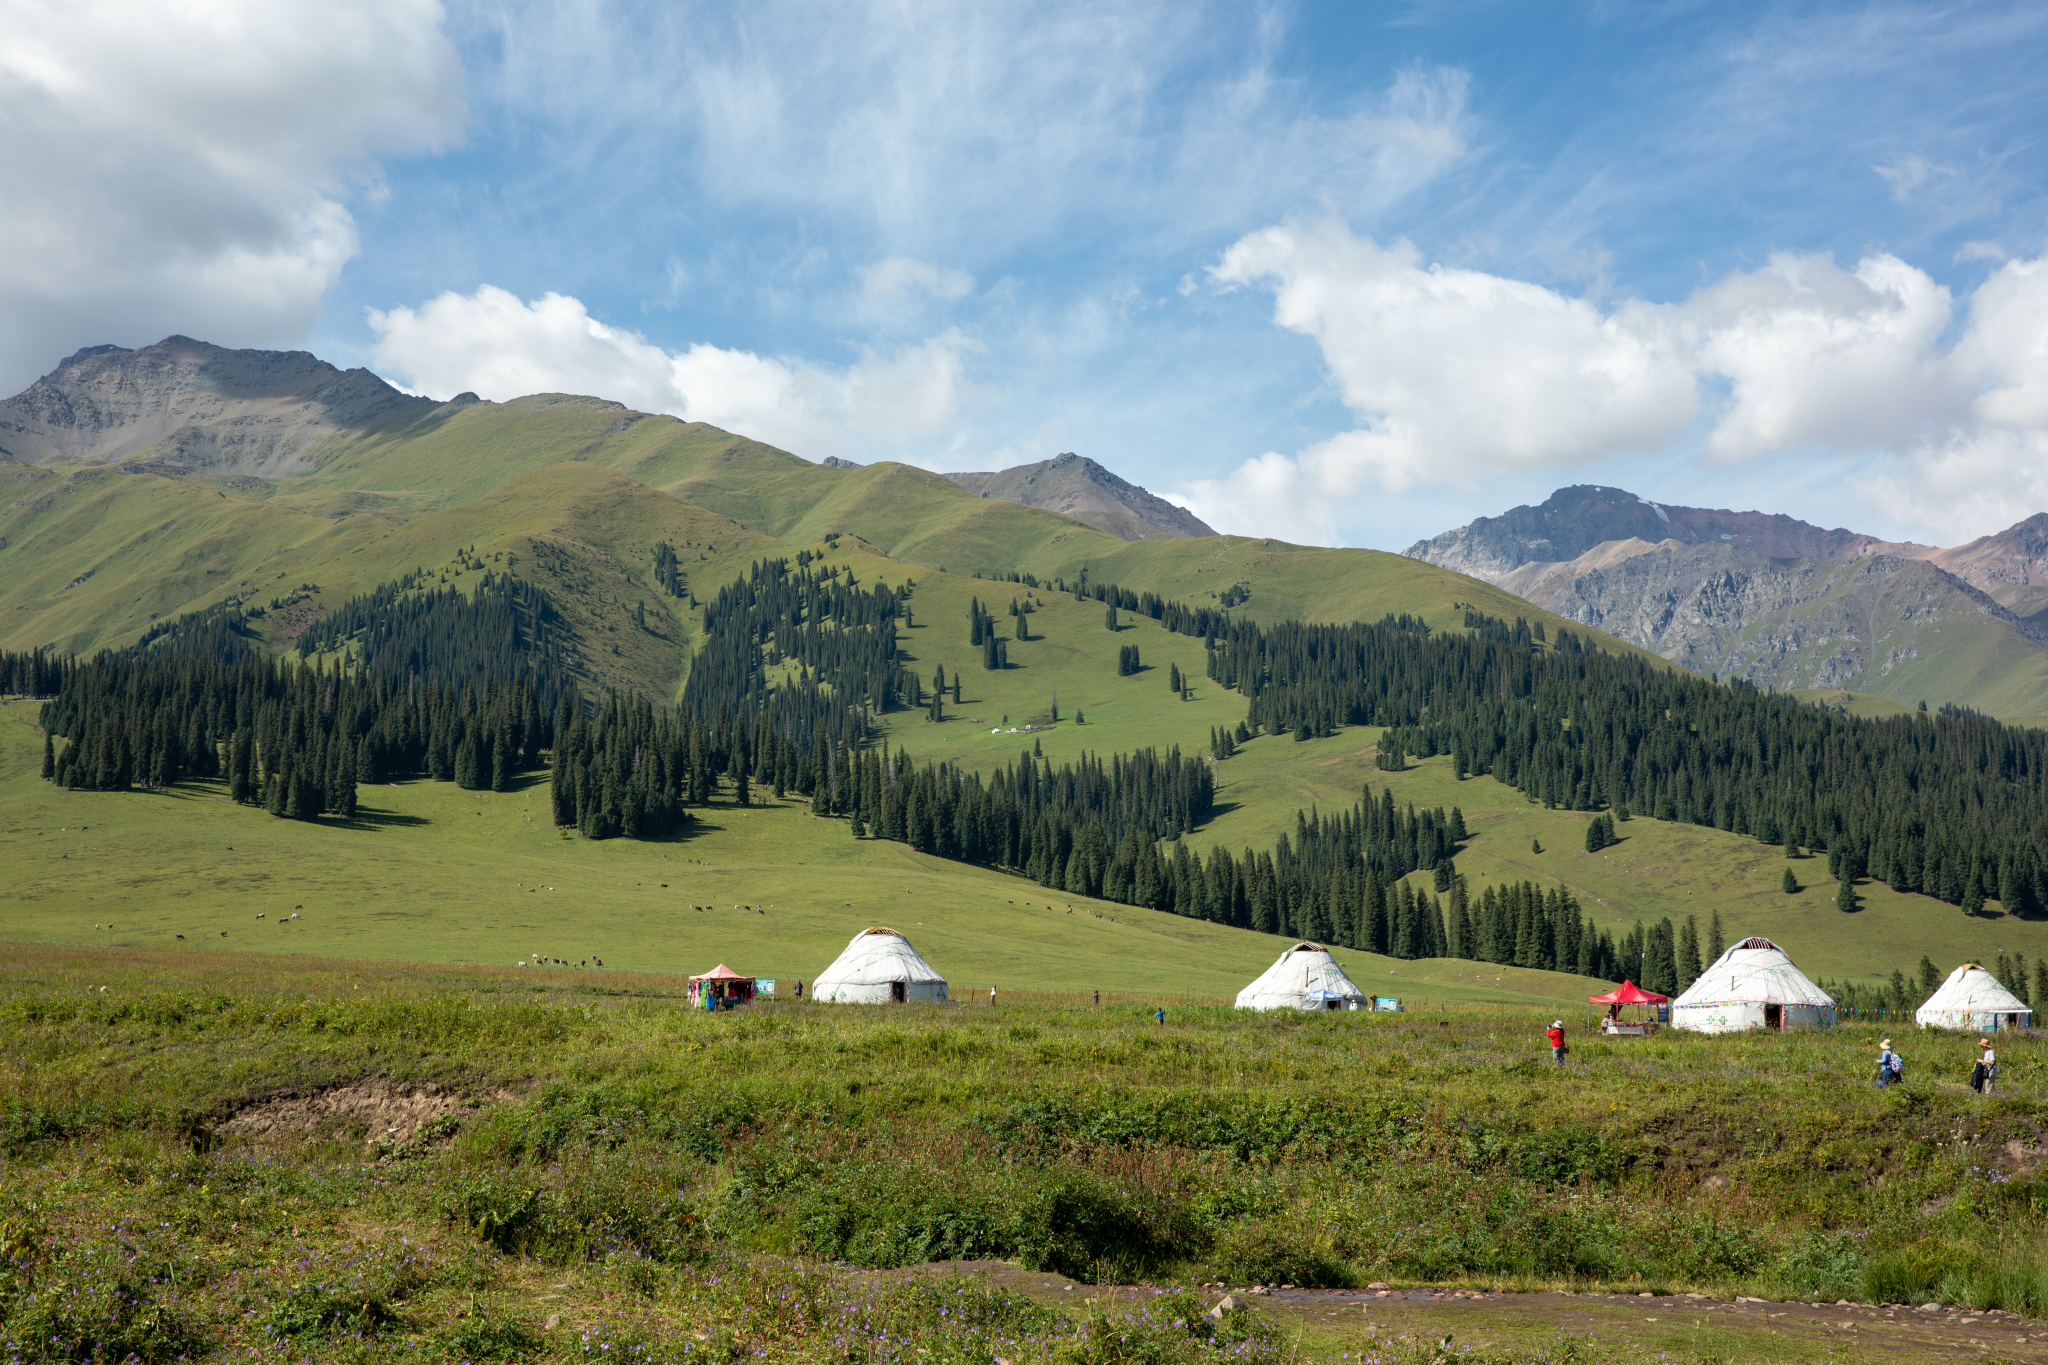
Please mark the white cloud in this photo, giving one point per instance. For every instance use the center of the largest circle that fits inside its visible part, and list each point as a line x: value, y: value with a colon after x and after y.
x: 883, y: 406
x: 1817, y: 355
x: 887, y: 281
x: 1271, y: 495
x: 1454, y: 371
x: 1457, y: 377
x: 186, y: 168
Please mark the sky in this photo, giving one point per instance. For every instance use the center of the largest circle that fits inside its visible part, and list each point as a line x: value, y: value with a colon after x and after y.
x: 1347, y: 274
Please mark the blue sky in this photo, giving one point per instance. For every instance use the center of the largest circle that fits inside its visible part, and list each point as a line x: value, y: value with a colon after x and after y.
x: 1346, y: 274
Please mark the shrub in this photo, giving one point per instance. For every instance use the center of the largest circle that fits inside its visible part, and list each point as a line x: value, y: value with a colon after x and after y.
x: 1916, y: 1273
x: 580, y: 1212
x: 1270, y: 1253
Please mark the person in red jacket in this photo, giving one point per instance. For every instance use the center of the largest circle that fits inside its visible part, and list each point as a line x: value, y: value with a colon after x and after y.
x: 1556, y: 1036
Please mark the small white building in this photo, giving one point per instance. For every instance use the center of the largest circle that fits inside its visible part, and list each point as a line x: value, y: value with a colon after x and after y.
x: 1972, y: 999
x: 1752, y: 985
x: 1305, y: 978
x: 879, y: 968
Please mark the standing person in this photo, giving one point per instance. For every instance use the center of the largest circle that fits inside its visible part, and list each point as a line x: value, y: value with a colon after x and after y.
x: 1098, y: 997
x: 1890, y: 1068
x: 799, y: 988
x: 991, y: 997
x: 1556, y: 1035
x: 1986, y: 1070
x: 1160, y: 1015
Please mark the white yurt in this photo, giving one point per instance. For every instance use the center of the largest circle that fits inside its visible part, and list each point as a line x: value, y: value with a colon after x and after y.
x: 1305, y: 978
x: 1752, y: 985
x: 879, y: 968
x: 1972, y: 999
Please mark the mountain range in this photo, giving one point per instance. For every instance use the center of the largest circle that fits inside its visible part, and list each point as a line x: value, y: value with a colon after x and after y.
x: 141, y: 485
x: 1778, y: 601
x: 145, y: 484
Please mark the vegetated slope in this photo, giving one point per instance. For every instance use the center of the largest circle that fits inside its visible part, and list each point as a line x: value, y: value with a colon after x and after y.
x: 1659, y: 868
x: 91, y: 555
x: 95, y: 558
x: 430, y: 872
x: 203, y: 407
x: 1269, y: 581
x: 1085, y: 491
x: 1876, y: 624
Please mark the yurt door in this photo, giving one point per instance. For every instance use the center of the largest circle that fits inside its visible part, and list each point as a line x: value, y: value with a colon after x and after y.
x: 899, y: 991
x: 1774, y: 1016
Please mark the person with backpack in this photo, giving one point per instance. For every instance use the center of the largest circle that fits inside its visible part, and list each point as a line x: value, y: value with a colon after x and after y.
x: 1556, y: 1036
x: 1891, y: 1069
x: 1986, y: 1070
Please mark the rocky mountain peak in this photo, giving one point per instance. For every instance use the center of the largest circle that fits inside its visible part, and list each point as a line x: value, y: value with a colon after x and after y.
x: 196, y: 405
x: 1077, y: 486
x: 1572, y: 521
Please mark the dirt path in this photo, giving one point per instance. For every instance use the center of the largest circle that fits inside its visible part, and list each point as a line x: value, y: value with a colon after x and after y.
x: 1686, y: 1326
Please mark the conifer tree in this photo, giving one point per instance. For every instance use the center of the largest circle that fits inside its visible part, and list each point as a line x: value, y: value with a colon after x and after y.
x: 1845, y: 896
x: 49, y: 758
x: 1790, y: 884
x: 1688, y: 954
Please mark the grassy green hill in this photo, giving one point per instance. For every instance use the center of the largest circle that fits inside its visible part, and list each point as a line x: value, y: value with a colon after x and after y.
x: 150, y: 547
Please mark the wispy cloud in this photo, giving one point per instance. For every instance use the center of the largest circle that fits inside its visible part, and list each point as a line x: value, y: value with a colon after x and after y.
x: 1910, y: 173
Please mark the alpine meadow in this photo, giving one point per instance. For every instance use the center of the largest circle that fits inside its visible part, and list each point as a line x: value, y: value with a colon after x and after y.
x: 368, y: 807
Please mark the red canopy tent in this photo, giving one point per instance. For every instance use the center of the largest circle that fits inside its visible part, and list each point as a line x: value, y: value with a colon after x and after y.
x: 1627, y: 993
x: 721, y: 988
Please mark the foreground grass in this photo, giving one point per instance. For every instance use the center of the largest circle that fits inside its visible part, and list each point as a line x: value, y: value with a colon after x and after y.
x: 604, y: 1171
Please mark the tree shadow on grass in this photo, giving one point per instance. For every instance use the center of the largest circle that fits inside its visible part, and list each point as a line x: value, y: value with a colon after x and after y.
x: 371, y: 819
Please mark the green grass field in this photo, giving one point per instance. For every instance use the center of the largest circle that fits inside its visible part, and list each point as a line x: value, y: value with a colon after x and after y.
x: 429, y: 872
x: 212, y: 1155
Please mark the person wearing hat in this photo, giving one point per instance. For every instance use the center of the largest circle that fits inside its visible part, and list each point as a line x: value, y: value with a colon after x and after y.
x: 1890, y: 1069
x: 1556, y: 1036
x: 1986, y: 1070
